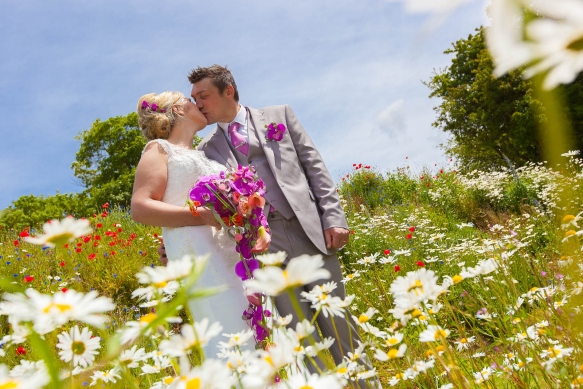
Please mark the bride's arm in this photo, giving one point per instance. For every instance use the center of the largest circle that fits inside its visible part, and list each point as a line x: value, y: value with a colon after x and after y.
x: 149, y: 186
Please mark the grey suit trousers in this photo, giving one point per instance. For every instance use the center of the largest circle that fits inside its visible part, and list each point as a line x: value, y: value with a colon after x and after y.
x: 289, y: 236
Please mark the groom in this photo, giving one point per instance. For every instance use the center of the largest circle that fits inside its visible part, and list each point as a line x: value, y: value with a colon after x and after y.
x: 305, y: 215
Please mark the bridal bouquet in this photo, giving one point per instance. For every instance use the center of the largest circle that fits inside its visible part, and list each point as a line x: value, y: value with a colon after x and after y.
x: 236, y: 200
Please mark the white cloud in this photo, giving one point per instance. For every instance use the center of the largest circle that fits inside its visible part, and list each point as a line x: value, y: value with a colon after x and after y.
x: 392, y: 119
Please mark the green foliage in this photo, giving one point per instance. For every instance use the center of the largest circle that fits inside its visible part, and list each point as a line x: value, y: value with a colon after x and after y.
x: 492, y: 121
x: 34, y: 210
x: 106, y: 161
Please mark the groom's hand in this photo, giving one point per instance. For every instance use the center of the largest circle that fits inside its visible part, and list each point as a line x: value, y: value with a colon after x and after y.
x: 336, y: 237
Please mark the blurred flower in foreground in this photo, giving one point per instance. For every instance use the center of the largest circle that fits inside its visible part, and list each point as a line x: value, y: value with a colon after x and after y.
x: 51, y: 311
x: 300, y: 271
x: 57, y: 233
x: 552, y: 42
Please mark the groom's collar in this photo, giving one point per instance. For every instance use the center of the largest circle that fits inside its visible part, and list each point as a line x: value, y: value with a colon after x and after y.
x: 240, y: 117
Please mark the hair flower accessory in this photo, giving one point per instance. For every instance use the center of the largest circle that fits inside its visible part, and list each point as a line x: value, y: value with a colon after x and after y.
x: 275, y: 131
x: 153, y: 107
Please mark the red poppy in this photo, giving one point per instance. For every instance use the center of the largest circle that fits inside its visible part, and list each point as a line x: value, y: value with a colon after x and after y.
x: 343, y: 178
x: 86, y: 239
x: 155, y: 235
x: 91, y: 256
x: 16, y: 243
x: 64, y: 290
x: 112, y: 253
x: 104, y: 214
x: 105, y: 206
x: 66, y: 245
x: 99, y: 225
x: 133, y: 236
x: 387, y: 252
x: 24, y: 233
x: 119, y: 230
x: 62, y: 264
x: 28, y: 279
x: 112, y: 243
x: 409, y: 236
x: 20, y: 351
x: 412, y: 229
x: 397, y: 268
x: 420, y: 264
x: 422, y: 177
x: 78, y: 250
x: 97, y: 237
x: 352, y: 232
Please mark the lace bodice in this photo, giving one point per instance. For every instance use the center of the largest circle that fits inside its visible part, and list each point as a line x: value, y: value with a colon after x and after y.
x: 184, y: 168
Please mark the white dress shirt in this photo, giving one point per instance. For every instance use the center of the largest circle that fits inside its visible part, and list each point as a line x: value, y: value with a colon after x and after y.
x: 240, y: 118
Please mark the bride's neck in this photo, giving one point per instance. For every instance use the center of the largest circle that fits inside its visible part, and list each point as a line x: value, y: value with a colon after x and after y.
x: 182, y: 134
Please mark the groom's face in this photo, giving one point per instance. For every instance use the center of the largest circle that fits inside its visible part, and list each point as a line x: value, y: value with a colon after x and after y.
x: 213, y: 104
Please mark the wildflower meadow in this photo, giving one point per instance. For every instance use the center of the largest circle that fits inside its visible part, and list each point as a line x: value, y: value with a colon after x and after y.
x: 455, y: 280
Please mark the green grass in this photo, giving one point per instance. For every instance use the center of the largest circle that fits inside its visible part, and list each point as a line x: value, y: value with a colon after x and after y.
x: 410, y: 221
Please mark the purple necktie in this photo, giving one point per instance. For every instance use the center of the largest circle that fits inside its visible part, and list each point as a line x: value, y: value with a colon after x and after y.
x: 237, y: 139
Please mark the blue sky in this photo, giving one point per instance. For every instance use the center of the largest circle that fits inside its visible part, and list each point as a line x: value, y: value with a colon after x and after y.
x: 351, y: 70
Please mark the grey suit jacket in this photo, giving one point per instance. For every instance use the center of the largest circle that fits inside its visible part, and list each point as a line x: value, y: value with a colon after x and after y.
x: 296, y: 166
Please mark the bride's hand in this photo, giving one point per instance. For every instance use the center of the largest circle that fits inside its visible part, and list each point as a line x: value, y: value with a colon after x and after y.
x: 263, y: 241
x: 208, y: 217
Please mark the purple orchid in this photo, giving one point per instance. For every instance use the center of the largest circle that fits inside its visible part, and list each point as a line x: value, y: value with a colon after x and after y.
x: 275, y: 131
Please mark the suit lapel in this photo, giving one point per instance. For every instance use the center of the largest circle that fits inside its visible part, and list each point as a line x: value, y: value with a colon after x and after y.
x: 219, y: 141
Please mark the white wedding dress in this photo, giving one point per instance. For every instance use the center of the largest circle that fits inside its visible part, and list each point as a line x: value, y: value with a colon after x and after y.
x: 184, y: 168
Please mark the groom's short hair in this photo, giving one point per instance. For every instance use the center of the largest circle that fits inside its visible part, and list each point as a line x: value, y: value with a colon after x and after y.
x: 219, y: 75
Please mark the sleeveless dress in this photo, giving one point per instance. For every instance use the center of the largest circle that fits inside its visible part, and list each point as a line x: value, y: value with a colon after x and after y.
x: 184, y: 168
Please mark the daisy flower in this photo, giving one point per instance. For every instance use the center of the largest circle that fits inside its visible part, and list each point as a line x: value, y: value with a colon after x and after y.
x: 415, y: 287
x: 131, y: 357
x: 299, y: 271
x: 394, y: 339
x: 78, y: 346
x: 133, y: 329
x: 391, y: 353
x: 57, y: 233
x: 314, y: 381
x: 191, y: 336
x: 274, y: 259
x: 35, y: 380
x: 237, y: 339
x: 51, y: 311
x: 212, y: 374
x: 111, y: 375
x: 464, y: 343
x: 175, y: 269
x: 433, y: 334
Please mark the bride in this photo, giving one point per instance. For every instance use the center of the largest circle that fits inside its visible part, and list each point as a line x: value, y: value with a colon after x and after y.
x: 167, y: 170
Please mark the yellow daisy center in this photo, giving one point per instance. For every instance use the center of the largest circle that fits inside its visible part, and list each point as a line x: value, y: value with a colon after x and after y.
x: 61, y: 307
x: 440, y: 334
x: 9, y: 385
x: 342, y: 370
x: 168, y: 380
x: 464, y: 340
x: 193, y: 383
x: 457, y: 279
x: 568, y: 218
x: 392, y: 341
x: 147, y: 319
x: 416, y: 288
x: 60, y: 239
x: 570, y: 233
x: 160, y: 284
x: 392, y: 354
x: 363, y: 318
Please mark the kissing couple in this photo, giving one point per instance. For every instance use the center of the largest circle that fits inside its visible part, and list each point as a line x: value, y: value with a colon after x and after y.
x: 302, y: 204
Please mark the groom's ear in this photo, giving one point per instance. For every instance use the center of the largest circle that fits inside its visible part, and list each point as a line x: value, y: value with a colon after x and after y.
x: 229, y: 92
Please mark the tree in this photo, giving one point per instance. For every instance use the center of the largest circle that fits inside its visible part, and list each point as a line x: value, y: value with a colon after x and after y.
x: 493, y: 121
x: 106, y: 161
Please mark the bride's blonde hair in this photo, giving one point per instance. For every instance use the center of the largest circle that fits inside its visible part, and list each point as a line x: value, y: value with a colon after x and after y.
x: 155, y: 115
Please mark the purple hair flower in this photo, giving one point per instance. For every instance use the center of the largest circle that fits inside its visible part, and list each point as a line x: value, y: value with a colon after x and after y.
x: 145, y: 104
